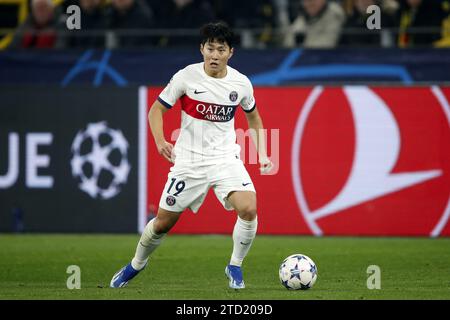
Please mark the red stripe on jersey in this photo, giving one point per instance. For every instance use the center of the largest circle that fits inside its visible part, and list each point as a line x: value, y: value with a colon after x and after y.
x: 207, y: 111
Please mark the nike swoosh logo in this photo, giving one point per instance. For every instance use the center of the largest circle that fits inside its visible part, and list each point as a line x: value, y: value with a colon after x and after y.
x: 198, y: 92
x: 245, y: 244
x: 246, y: 184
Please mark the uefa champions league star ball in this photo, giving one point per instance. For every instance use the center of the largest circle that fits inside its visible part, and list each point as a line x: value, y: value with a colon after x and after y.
x: 298, y: 272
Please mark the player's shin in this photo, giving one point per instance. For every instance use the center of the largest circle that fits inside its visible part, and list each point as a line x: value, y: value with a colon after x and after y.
x: 243, y: 234
x: 148, y: 242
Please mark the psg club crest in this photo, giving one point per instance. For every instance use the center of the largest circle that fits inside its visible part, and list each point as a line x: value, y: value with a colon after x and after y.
x: 170, y: 200
x: 233, y: 96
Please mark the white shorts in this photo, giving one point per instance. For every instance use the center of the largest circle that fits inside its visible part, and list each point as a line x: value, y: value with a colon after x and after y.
x: 187, y: 185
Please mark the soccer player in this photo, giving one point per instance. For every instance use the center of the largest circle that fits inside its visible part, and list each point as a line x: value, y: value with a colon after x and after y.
x: 206, y: 153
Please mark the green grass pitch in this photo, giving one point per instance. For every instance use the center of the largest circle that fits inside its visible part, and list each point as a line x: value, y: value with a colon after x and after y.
x: 192, y: 267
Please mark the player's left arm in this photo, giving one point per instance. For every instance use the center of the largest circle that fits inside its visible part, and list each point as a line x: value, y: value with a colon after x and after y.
x: 257, y: 132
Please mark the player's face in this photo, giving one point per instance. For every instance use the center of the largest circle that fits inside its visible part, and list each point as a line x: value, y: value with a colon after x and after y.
x: 216, y: 56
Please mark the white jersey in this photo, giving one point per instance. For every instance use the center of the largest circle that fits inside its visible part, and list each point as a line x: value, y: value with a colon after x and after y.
x: 207, y: 117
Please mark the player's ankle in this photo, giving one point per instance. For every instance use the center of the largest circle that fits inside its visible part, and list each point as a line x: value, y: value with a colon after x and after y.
x: 235, y: 262
x: 138, y: 264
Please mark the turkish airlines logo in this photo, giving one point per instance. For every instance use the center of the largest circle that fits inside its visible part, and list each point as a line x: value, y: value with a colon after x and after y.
x: 371, y: 176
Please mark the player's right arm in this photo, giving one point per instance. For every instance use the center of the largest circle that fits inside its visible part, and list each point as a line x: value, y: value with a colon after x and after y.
x: 155, y: 119
x: 167, y: 98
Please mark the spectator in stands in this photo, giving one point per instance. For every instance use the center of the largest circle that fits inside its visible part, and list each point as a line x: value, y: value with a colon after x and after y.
x: 129, y: 19
x: 355, y: 31
x: 183, y: 14
x: 444, y: 41
x: 319, y: 24
x: 255, y: 18
x: 282, y: 12
x: 93, y: 26
x: 419, y: 23
x: 40, y: 29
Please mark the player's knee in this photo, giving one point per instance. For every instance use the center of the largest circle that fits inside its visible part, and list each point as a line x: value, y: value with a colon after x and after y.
x: 248, y: 212
x: 162, y: 226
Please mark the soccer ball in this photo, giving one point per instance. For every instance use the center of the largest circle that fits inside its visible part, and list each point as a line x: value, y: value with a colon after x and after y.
x: 298, y: 272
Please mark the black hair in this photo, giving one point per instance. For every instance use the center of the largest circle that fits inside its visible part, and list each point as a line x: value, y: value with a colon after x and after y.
x: 217, y: 31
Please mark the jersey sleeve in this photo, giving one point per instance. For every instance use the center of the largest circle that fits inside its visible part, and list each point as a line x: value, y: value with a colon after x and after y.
x: 173, y: 91
x: 248, y: 102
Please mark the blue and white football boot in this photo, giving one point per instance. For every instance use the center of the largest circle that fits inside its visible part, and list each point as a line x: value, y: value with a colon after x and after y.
x: 121, y: 278
x: 234, y: 274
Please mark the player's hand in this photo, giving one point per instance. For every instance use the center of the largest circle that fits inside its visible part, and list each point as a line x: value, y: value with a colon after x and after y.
x: 166, y: 150
x: 265, y: 165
